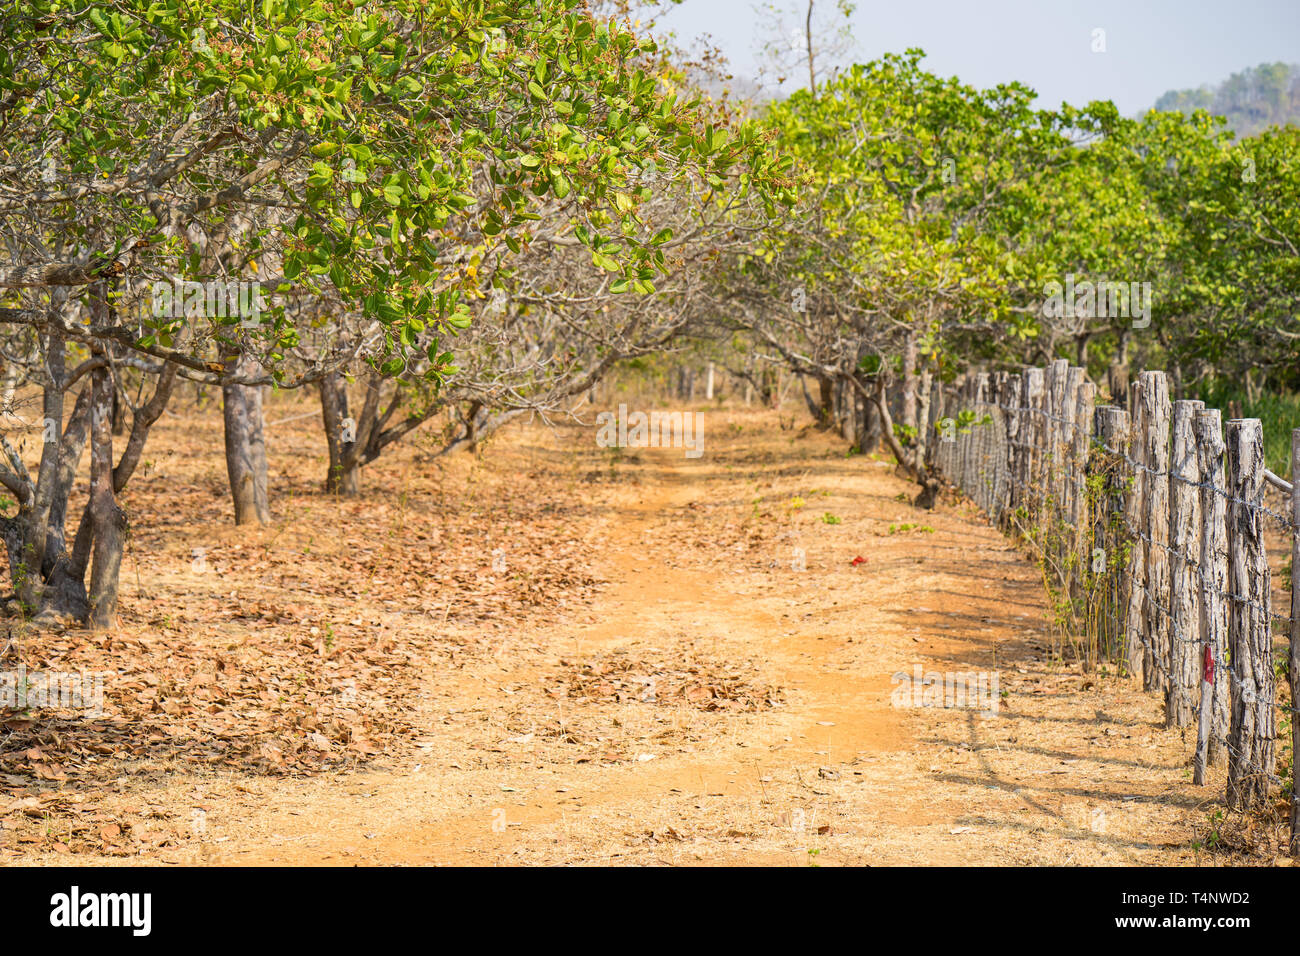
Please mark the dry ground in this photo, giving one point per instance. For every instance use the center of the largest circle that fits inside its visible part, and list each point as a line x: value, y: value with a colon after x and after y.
x: 647, y: 679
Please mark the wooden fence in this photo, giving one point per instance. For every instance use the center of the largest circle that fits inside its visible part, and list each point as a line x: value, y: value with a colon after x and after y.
x: 1150, y: 523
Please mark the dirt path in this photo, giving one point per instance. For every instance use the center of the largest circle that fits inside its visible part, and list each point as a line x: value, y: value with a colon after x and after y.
x: 1071, y: 770
x: 719, y: 705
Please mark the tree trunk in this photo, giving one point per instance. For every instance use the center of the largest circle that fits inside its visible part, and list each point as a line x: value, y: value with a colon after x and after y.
x: 45, y: 574
x: 1117, y: 375
x: 344, y: 476
x: 869, y: 433
x: 848, y: 420
x: 813, y: 408
x: 70, y: 449
x: 928, y: 496
x: 108, y: 521
x: 34, y: 514
x: 64, y: 592
x: 826, y: 402
x: 246, y: 448
x: 909, y: 381
x: 119, y: 414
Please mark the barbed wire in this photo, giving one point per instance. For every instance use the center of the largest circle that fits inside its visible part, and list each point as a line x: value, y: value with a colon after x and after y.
x: 1043, y: 463
x: 1285, y: 520
x: 993, y: 492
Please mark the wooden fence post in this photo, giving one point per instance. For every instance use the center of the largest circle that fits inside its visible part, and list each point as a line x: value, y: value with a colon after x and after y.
x: 1250, y: 738
x: 1108, y: 606
x: 1071, y: 466
x: 951, y: 408
x: 1294, y: 654
x: 1057, y: 373
x: 942, y: 447
x: 1046, y: 463
x: 1085, y: 402
x: 1033, y: 436
x: 961, y: 450
x: 955, y: 394
x: 1136, y: 653
x: 1185, y: 531
x: 1063, y: 533
x: 1155, y: 438
x: 979, y: 460
x: 1011, y: 398
x: 994, y: 452
x: 1077, y: 520
x: 1212, y: 732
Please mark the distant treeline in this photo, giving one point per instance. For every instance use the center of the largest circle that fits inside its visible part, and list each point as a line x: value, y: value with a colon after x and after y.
x: 1252, y: 100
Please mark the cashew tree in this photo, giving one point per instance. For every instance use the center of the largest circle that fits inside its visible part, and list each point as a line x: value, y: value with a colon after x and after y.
x: 314, y: 154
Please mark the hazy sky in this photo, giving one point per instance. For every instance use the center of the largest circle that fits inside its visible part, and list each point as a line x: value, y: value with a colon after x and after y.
x: 1151, y: 45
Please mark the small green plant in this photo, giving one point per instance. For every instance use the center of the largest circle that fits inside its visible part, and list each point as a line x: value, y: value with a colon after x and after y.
x: 828, y: 518
x: 1213, y: 837
x: 909, y: 526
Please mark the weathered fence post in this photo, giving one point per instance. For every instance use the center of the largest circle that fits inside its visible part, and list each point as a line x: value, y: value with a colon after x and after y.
x: 961, y: 395
x: 1250, y: 737
x: 1013, y: 418
x: 953, y: 465
x: 957, y: 453
x: 979, y: 476
x: 1046, y: 464
x: 1212, y: 731
x: 1085, y: 402
x: 1136, y: 652
x: 1071, y: 466
x: 1033, y: 435
x: 1155, y: 438
x: 1185, y: 543
x: 1064, y: 533
x: 1077, y: 520
x: 1056, y: 377
x: 993, y: 449
x: 1108, y: 463
x: 1294, y: 654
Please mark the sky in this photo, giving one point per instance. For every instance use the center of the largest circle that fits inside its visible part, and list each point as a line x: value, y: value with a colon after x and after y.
x: 1150, y: 45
